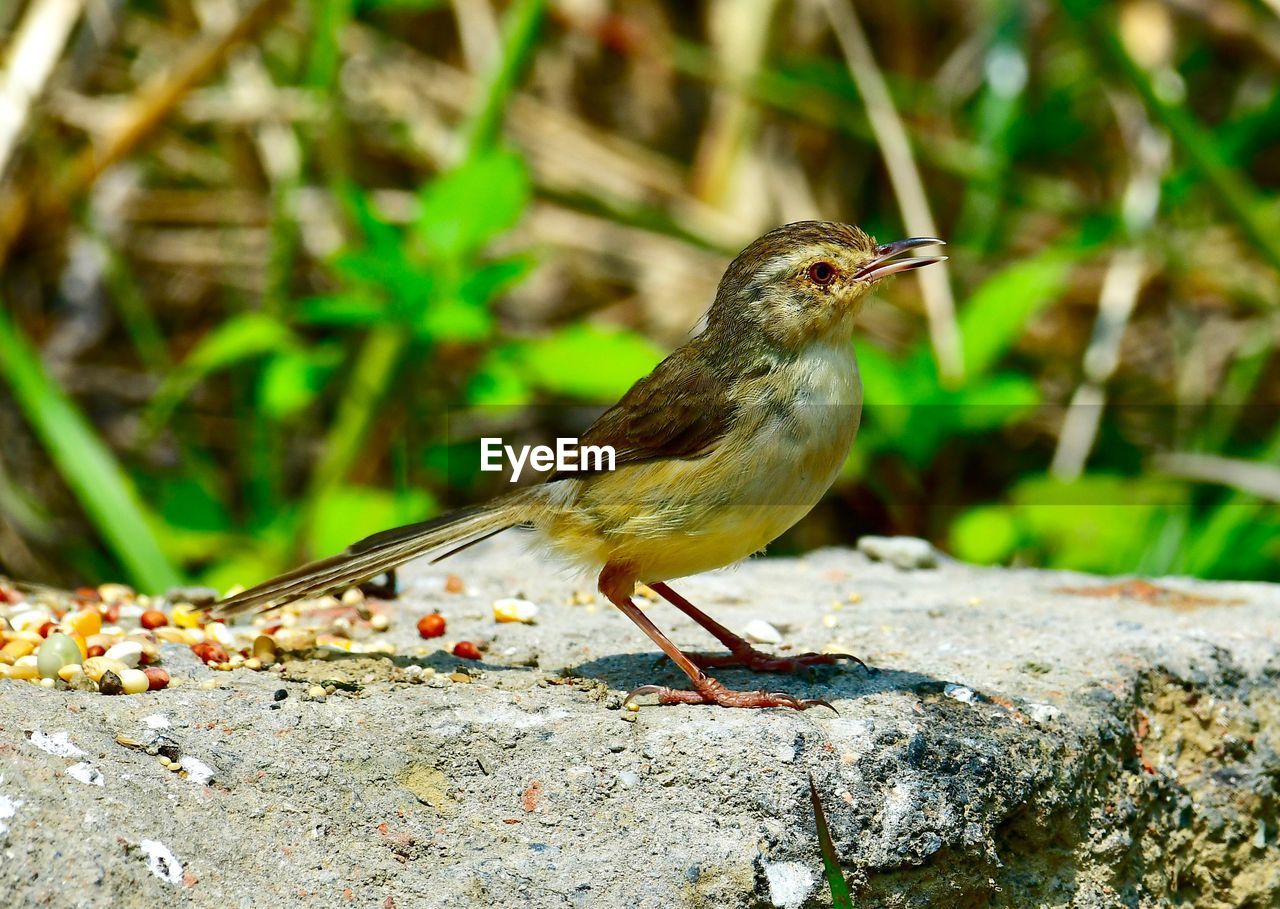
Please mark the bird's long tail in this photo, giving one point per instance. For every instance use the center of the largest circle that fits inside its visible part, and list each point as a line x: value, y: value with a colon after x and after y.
x: 384, y: 551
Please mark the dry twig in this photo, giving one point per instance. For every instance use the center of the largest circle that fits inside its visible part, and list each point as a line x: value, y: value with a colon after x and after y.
x: 35, y: 50
x: 908, y: 186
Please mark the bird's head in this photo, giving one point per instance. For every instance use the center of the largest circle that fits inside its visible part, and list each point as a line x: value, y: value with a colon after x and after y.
x: 804, y: 283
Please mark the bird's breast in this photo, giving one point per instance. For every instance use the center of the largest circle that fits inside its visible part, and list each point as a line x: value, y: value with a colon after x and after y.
x: 810, y: 414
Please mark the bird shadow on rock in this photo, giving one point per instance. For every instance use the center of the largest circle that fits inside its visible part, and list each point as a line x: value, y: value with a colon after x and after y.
x: 628, y: 671
x: 848, y: 681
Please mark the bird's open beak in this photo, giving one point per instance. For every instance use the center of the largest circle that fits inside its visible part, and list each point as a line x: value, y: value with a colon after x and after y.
x: 884, y: 264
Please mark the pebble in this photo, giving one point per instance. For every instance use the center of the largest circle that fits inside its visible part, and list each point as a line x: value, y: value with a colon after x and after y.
x: 380, y: 621
x: 315, y: 692
x: 58, y: 744
x: 161, y: 861
x: 110, y: 683
x: 512, y: 609
x: 280, y: 694
x: 762, y: 632
x: 1043, y: 713
x: 961, y: 693
x: 198, y: 771
x: 906, y: 553
x: 58, y: 650
x: 127, y: 652
x: 86, y: 773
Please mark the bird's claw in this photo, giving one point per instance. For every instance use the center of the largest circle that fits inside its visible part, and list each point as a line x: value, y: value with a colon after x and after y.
x: 759, y: 661
x: 709, y: 691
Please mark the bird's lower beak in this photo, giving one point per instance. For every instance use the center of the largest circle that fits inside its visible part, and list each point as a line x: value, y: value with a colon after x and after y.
x: 885, y: 263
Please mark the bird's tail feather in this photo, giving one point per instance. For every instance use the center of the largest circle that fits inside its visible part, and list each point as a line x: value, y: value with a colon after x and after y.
x: 383, y: 551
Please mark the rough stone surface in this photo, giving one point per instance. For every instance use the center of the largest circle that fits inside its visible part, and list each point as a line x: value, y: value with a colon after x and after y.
x: 1029, y: 739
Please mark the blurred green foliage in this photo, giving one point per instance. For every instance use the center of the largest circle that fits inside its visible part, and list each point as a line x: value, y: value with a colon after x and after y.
x: 334, y: 398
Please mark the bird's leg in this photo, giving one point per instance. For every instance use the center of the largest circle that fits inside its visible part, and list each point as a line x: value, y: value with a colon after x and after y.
x: 741, y: 653
x: 618, y: 582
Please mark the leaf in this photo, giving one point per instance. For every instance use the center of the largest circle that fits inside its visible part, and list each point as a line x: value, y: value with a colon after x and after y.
x: 342, y: 309
x: 292, y: 379
x: 1100, y: 522
x: 986, y: 535
x: 589, y: 362
x: 450, y: 317
x: 840, y: 896
x: 485, y: 282
x: 499, y: 380
x: 85, y: 463
x: 240, y: 338
x: 467, y: 207
x: 1001, y: 306
x: 992, y: 403
x: 349, y: 513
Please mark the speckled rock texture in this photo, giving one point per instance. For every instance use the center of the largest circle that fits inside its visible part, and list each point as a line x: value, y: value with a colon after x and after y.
x: 1027, y: 739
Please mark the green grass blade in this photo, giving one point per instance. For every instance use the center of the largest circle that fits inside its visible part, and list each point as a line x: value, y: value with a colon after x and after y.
x: 85, y: 463
x: 840, y: 896
x: 520, y: 33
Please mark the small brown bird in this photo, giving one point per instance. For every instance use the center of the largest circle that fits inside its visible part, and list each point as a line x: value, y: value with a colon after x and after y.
x: 728, y: 442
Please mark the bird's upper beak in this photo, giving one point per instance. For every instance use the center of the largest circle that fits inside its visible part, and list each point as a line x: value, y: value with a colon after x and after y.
x: 884, y: 263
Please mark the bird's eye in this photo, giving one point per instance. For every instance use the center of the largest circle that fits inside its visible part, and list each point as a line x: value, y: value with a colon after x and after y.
x: 822, y: 273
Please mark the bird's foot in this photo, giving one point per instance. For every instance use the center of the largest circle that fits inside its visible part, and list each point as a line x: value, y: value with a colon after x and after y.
x: 708, y: 691
x: 758, y: 661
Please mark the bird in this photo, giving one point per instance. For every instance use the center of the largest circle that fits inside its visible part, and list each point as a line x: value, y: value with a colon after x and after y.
x: 726, y: 443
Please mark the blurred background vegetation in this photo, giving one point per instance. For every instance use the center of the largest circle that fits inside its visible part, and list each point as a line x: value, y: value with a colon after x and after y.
x: 266, y: 267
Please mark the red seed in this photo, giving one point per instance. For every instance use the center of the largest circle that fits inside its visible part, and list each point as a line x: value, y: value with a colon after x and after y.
x: 431, y: 626
x: 157, y: 678
x: 87, y: 594
x: 46, y: 628
x: 111, y: 613
x: 153, y: 618
x: 210, y: 652
x: 94, y: 650
x: 453, y: 584
x: 466, y: 650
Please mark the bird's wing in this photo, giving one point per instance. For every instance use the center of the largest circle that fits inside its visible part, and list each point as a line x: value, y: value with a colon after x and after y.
x: 680, y: 410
